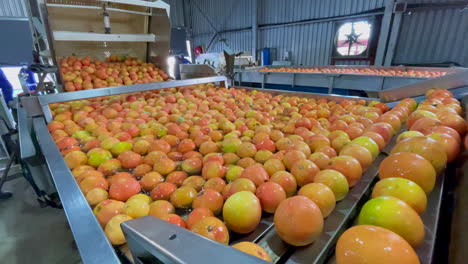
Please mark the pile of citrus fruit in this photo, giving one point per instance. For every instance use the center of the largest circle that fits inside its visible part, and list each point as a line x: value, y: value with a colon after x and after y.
x: 221, y: 157
x: 389, y: 225
x: 360, y: 70
x: 87, y: 73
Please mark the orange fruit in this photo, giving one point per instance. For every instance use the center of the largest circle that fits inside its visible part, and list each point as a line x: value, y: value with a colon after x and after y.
x: 373, y: 244
x: 298, y: 221
x: 410, y: 166
x: 252, y: 249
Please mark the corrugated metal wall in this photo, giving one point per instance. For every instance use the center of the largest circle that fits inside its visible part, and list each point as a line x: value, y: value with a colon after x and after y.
x: 278, y: 11
x: 425, y: 36
x: 433, y: 36
x: 13, y: 8
x: 309, y: 44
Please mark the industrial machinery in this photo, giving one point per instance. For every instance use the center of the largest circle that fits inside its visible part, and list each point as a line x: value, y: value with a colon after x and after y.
x: 99, y: 29
x: 151, y: 240
x: 346, y: 77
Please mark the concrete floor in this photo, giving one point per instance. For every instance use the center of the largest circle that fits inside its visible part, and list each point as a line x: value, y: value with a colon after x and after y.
x: 30, y: 234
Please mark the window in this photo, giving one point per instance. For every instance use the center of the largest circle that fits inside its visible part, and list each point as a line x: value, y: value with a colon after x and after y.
x: 353, y: 38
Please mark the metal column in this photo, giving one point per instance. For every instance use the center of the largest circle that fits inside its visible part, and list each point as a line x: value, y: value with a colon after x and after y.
x: 254, y: 29
x: 384, y: 33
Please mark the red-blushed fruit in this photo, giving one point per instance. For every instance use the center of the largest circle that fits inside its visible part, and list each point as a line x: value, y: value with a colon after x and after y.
x: 92, y: 182
x: 107, y: 209
x: 348, y: 166
x: 286, y: 180
x: 110, y: 167
x: 123, y: 190
x: 445, y: 130
x: 163, y: 191
x: 377, y: 138
x: 176, y: 177
x: 256, y: 173
x: 298, y: 221
x: 424, y: 124
x: 130, y: 159
x: 119, y: 177
x: 373, y: 244
x: 174, y: 219
x: 212, y: 228
x: 213, y: 169
x: 164, y: 166
x: 450, y: 145
x: 252, y: 249
x: 273, y: 165
x: 358, y: 152
x: 292, y: 156
x: 271, y: 194
x: 160, y: 208
x: 150, y: 180
x: 410, y: 166
x: 241, y: 184
x: 183, y: 197
x: 242, y: 212
x: 384, y: 129
x: 320, y: 159
x: 304, y: 171
x: 192, y: 165
x: 321, y: 195
x: 216, y: 184
x: 196, y: 215
x: 210, y: 199
x: 141, y: 170
x: 329, y: 151
x: 196, y: 182
x: 453, y: 121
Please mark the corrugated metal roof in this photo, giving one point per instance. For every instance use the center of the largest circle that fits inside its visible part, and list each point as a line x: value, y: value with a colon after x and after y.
x: 433, y: 36
x: 280, y: 11
x: 223, y: 14
x: 13, y: 8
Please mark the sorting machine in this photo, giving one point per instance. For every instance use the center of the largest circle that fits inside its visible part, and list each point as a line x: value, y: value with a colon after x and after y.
x: 374, y: 85
x: 151, y: 240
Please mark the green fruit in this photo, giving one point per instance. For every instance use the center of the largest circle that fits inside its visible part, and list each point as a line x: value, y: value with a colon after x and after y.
x: 335, y: 181
x: 403, y: 189
x: 81, y: 134
x: 230, y: 145
x: 233, y: 173
x: 369, y: 144
x: 120, y: 147
x: 395, y: 215
x: 242, y: 212
x: 96, y: 156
